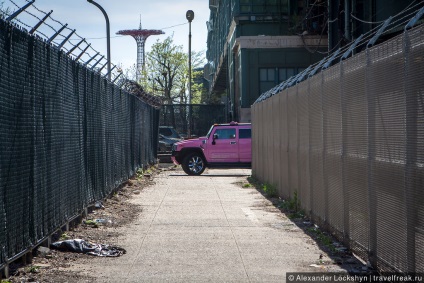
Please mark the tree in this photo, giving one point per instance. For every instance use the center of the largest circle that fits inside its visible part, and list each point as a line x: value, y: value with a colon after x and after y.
x: 166, y: 72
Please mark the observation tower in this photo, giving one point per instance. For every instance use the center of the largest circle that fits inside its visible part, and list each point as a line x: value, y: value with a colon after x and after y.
x: 140, y: 35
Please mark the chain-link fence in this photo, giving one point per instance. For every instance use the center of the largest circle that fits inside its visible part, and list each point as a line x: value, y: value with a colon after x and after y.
x: 202, y: 117
x: 350, y: 141
x: 68, y: 137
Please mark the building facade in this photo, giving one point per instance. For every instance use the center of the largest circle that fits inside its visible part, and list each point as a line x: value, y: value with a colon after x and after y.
x: 255, y: 44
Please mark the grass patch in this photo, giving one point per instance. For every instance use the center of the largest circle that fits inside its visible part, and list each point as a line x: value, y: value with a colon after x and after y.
x: 64, y: 237
x: 139, y: 174
x: 268, y: 189
x: 91, y: 223
x: 322, y: 238
x: 292, y: 207
x: 34, y: 269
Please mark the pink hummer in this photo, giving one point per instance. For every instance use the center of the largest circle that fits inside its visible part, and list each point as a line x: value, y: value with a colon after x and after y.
x: 225, y: 146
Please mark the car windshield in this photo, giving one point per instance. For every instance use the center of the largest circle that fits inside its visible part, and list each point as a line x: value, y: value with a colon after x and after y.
x: 210, y: 131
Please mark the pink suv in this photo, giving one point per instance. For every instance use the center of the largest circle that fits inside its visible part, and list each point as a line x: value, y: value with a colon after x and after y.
x: 225, y: 146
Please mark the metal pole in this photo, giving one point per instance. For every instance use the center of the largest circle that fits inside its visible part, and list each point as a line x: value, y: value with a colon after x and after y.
x: 107, y: 36
x: 189, y: 80
x: 190, y: 17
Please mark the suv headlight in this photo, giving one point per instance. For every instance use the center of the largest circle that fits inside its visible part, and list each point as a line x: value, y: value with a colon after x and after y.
x: 174, y: 147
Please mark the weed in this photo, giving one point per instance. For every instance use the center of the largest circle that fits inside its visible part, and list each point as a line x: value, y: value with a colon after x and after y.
x: 64, y: 237
x: 323, y: 238
x: 5, y: 281
x: 139, y: 174
x: 91, y: 223
x: 292, y: 207
x: 296, y: 201
x: 296, y: 215
x: 252, y: 181
x: 268, y: 189
x: 34, y: 269
x: 247, y: 185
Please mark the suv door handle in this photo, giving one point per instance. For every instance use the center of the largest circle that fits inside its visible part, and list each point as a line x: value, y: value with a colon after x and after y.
x: 232, y: 142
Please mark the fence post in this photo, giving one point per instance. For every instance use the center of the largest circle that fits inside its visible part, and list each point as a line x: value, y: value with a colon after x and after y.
x: 311, y: 199
x: 411, y: 156
x: 372, y: 199
x: 324, y: 149
x: 286, y: 143
x: 346, y: 224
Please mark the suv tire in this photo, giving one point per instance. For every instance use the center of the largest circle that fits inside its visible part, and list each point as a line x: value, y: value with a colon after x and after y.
x: 194, y: 164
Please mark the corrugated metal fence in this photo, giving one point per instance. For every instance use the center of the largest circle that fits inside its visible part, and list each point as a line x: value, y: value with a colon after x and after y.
x: 350, y: 142
x: 68, y: 137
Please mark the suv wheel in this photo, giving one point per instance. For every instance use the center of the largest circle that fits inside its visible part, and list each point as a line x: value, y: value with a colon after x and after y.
x: 194, y: 164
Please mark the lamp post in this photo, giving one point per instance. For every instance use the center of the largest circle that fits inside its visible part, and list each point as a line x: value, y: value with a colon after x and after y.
x: 189, y: 17
x: 109, y: 75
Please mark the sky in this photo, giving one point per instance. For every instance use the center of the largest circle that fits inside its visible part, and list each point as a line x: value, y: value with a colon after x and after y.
x: 89, y: 22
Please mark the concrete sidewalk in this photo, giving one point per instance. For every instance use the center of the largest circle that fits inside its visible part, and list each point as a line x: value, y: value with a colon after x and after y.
x: 207, y: 229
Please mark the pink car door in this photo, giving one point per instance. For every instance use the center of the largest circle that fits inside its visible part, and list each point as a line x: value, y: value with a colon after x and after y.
x: 245, y: 144
x: 224, y: 148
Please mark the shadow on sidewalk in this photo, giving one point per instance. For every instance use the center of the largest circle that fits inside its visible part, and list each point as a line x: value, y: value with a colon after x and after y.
x: 342, y: 259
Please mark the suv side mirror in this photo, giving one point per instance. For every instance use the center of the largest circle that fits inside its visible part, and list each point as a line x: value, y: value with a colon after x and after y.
x: 215, y: 137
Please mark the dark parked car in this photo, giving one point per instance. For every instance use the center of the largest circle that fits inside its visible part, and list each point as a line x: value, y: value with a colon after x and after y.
x: 169, y: 132
x: 165, y: 143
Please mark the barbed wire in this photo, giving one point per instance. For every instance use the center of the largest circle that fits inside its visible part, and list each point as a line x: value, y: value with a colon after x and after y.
x: 399, y: 20
x: 67, y: 39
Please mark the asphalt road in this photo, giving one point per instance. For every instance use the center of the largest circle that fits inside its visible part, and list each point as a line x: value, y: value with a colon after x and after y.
x: 207, y: 229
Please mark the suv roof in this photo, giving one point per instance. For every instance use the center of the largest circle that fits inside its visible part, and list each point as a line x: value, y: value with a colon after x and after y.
x: 233, y: 124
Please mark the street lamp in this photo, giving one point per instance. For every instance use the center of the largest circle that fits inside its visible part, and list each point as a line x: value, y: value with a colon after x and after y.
x: 189, y: 17
x: 109, y: 75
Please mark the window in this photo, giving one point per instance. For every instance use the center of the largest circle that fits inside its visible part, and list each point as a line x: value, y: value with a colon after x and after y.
x: 245, y: 133
x: 264, y: 6
x: 245, y: 6
x: 267, y: 75
x: 267, y: 79
x: 270, y: 77
x: 285, y: 73
x: 226, y: 133
x: 165, y: 131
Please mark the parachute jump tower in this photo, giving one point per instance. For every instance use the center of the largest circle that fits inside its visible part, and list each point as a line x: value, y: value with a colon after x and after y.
x: 140, y: 35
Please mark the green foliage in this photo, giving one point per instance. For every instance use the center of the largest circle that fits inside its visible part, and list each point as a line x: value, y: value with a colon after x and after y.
x: 139, y: 174
x: 322, y: 238
x: 64, y: 237
x: 91, y: 223
x: 166, y: 73
x: 292, y: 207
x: 268, y: 189
x: 34, y: 269
x: 5, y: 281
x: 292, y: 204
